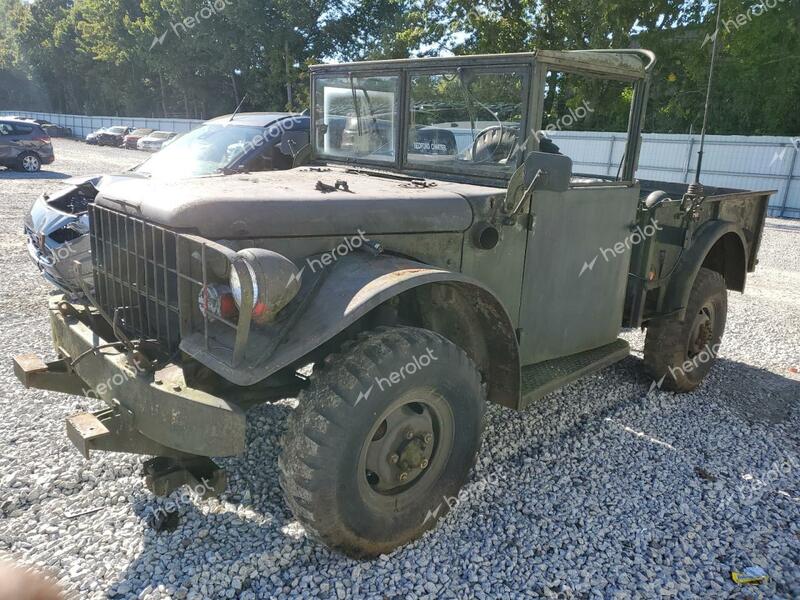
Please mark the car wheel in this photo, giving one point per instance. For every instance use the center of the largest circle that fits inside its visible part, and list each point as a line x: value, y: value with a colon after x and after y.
x: 679, y: 354
x: 382, y: 440
x: 30, y: 162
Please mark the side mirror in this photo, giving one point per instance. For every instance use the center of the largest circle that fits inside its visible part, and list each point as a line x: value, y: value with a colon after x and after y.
x: 541, y: 171
x: 552, y: 172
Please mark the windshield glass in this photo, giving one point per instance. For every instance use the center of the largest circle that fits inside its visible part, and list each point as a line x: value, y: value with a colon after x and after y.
x: 116, y: 130
x: 356, y: 117
x: 466, y: 118
x: 202, y: 151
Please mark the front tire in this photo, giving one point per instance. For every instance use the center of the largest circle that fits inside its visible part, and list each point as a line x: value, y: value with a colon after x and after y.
x: 29, y: 162
x: 679, y: 354
x: 382, y: 440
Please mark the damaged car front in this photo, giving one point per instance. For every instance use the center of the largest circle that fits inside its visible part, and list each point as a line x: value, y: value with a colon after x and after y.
x: 57, y: 226
x: 55, y: 233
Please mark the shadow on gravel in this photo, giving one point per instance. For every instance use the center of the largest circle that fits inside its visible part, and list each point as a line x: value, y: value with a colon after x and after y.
x: 11, y: 174
x: 756, y: 395
x: 247, y: 537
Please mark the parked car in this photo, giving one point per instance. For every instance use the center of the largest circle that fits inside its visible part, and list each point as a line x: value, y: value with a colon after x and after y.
x: 52, y: 129
x: 131, y: 139
x: 91, y: 138
x: 57, y: 225
x: 420, y: 283
x: 155, y: 141
x: 112, y: 136
x: 24, y: 145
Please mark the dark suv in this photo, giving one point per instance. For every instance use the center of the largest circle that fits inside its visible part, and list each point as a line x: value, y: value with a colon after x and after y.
x: 24, y: 145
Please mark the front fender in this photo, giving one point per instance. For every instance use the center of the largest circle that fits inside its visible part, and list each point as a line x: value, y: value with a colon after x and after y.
x: 355, y: 285
x: 681, y: 282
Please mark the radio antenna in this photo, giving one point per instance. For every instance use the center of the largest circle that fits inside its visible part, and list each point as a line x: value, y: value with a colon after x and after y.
x: 696, y: 188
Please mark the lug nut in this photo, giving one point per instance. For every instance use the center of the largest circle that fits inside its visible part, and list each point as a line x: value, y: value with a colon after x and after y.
x: 423, y: 464
x: 428, y: 438
x: 393, y: 459
x: 403, y: 476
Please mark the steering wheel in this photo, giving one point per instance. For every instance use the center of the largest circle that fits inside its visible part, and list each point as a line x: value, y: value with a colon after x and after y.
x: 488, y: 142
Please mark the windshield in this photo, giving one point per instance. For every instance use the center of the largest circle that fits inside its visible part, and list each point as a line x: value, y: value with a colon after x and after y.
x: 356, y: 117
x: 467, y: 118
x: 203, y: 151
x: 116, y: 130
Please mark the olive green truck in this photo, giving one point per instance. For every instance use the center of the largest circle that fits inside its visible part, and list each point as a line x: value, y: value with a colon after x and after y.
x: 432, y: 250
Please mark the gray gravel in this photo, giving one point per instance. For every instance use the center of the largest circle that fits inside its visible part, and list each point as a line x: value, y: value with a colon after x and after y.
x: 602, y: 491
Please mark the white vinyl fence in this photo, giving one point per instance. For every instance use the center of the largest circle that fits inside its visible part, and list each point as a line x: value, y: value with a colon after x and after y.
x: 82, y: 125
x: 732, y: 161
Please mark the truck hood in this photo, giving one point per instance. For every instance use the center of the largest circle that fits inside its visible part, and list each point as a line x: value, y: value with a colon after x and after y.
x: 289, y: 203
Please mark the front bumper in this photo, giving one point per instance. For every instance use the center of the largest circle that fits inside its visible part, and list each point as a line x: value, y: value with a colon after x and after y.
x: 149, y: 412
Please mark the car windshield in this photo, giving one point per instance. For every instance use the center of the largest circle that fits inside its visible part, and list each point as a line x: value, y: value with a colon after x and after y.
x: 116, y: 130
x: 203, y: 151
x: 356, y: 117
x: 141, y: 131
x: 160, y: 135
x: 466, y: 118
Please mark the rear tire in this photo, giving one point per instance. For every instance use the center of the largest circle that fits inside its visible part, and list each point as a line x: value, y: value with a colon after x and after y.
x: 679, y: 354
x: 29, y: 162
x: 382, y: 440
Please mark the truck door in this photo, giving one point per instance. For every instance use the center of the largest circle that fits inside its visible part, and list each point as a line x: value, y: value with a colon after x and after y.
x: 576, y: 268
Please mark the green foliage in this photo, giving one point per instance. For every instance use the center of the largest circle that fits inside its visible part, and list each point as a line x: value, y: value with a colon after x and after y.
x: 196, y: 58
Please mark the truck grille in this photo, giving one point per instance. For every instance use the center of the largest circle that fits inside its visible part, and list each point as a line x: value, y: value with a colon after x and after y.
x: 135, y: 275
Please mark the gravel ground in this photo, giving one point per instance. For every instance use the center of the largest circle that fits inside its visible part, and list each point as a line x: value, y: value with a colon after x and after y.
x: 606, y: 490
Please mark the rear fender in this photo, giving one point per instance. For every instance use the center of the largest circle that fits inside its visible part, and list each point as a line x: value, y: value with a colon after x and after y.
x: 718, y: 245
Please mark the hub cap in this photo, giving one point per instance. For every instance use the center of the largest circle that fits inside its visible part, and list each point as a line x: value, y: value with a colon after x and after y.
x: 702, y: 331
x: 30, y: 164
x: 412, y: 438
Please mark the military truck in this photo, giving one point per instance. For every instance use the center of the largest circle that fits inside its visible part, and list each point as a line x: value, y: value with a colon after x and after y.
x: 435, y: 252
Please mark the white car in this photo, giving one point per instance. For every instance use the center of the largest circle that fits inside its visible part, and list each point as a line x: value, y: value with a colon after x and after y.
x: 155, y: 141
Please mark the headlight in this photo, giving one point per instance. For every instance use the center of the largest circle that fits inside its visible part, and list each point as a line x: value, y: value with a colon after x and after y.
x: 236, y: 284
x: 275, y: 282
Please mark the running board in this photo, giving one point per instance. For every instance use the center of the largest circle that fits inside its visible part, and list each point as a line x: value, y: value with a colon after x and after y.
x: 542, y: 378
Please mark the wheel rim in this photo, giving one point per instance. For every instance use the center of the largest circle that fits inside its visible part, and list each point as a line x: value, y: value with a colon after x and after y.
x: 407, y: 447
x: 30, y: 164
x: 702, y: 332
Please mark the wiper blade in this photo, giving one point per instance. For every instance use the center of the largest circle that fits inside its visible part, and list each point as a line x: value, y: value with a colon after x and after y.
x: 383, y: 174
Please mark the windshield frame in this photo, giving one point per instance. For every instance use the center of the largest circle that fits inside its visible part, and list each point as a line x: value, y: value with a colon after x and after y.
x: 630, y: 65
x: 406, y: 69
